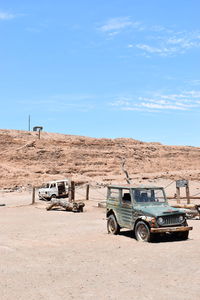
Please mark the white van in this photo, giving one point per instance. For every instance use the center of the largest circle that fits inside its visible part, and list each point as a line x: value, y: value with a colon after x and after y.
x: 54, y: 189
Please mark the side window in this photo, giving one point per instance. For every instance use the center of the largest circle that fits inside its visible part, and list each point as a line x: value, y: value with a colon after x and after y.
x: 126, y: 196
x: 113, y: 194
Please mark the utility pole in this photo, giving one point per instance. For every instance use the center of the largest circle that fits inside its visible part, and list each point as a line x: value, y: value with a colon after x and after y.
x: 29, y: 123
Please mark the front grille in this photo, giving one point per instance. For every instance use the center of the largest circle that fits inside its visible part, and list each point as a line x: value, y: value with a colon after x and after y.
x: 171, y: 220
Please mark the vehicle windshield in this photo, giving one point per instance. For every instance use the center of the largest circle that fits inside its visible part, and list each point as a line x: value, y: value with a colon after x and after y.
x: 46, y: 185
x: 149, y: 195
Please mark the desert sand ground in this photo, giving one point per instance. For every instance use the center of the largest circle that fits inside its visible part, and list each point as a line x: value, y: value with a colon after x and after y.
x: 53, y: 255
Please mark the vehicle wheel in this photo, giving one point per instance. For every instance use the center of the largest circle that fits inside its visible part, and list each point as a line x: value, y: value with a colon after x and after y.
x: 142, y: 232
x: 181, y: 236
x: 53, y: 197
x: 112, y: 225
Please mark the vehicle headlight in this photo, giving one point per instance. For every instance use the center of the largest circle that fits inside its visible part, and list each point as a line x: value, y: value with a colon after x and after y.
x: 181, y: 219
x: 161, y: 221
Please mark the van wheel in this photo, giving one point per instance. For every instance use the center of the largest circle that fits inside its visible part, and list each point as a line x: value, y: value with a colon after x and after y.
x: 53, y: 197
x: 112, y: 225
x: 142, y: 232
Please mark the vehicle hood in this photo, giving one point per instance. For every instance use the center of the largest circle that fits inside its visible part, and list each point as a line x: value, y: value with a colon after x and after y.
x: 159, y: 210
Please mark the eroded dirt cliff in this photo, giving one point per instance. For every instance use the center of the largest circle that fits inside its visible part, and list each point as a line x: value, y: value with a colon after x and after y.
x: 26, y: 160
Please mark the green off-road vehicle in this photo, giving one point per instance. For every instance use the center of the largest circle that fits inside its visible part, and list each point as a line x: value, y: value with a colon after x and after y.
x: 144, y: 210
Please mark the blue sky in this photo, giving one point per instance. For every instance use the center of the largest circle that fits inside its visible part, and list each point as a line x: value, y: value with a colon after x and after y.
x: 111, y: 69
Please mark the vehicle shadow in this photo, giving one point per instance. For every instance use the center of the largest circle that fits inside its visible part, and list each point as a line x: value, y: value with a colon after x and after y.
x: 60, y: 209
x: 157, y: 238
x: 127, y: 233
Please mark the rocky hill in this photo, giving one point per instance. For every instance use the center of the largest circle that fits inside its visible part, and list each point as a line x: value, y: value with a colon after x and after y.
x: 26, y: 160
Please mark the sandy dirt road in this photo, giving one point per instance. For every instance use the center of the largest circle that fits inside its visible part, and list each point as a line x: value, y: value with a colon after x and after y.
x: 62, y: 255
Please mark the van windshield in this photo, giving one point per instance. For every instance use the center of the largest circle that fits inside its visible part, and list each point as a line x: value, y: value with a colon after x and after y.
x: 46, y: 185
x: 149, y: 195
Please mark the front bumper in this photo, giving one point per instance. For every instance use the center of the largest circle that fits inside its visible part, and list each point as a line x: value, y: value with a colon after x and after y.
x: 170, y: 229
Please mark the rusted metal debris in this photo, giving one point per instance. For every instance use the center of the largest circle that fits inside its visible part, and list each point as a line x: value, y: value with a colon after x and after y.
x: 69, y: 206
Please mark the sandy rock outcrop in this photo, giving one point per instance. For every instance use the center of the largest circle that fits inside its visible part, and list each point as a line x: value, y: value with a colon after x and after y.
x: 26, y: 160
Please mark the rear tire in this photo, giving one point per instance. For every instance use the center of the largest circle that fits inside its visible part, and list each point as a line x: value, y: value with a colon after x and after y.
x: 112, y: 225
x: 142, y: 232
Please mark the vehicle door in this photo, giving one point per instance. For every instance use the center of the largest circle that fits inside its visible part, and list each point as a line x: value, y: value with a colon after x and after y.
x: 113, y: 202
x: 126, y: 208
x: 53, y: 189
x: 66, y: 187
x: 61, y: 188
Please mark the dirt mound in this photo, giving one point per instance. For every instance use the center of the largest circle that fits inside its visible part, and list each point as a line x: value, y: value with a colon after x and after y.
x: 26, y: 160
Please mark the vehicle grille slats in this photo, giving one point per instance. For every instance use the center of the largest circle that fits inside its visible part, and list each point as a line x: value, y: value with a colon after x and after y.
x: 171, y: 220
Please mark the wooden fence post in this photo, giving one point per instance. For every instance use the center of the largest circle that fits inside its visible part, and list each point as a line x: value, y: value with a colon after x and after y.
x: 33, y: 196
x: 187, y: 194
x: 69, y: 190
x: 87, y: 191
x: 178, y: 194
x: 72, y: 191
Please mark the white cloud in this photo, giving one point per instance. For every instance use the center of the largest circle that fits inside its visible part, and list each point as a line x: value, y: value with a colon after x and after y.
x: 194, y: 82
x: 119, y: 103
x: 193, y: 94
x: 116, y: 25
x: 158, y: 28
x: 6, y: 16
x: 185, y: 101
x: 185, y: 40
x: 152, y: 40
x: 163, y: 51
x: 131, y: 108
x: 171, y: 43
x: 163, y: 106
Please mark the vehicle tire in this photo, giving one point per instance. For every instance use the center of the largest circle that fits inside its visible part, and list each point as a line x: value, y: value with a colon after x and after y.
x: 112, y: 225
x: 142, y: 232
x: 53, y: 197
x: 181, y: 236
